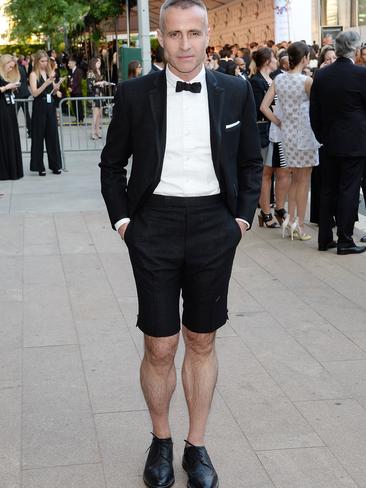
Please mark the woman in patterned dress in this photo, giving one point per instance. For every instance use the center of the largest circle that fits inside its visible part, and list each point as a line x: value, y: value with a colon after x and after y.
x: 299, y: 143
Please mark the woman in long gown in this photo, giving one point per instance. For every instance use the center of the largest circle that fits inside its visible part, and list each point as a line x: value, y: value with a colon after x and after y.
x: 11, y: 165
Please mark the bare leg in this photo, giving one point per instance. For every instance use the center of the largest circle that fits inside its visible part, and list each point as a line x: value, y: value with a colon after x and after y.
x: 292, y: 198
x: 158, y: 380
x: 95, y: 127
x: 264, y: 201
x: 199, y: 375
x: 97, y: 122
x: 282, y: 186
x: 302, y: 177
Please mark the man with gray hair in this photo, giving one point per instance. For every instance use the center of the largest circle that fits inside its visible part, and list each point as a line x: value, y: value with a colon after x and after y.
x: 338, y: 119
x: 193, y: 190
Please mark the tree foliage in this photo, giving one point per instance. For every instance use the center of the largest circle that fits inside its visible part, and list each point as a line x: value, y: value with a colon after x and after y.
x: 52, y: 19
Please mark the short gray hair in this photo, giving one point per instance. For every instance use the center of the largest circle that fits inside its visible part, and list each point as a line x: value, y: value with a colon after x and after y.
x: 181, y: 4
x: 347, y: 43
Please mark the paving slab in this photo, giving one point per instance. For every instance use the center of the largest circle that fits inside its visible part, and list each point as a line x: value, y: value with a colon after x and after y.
x: 290, y: 405
x: 58, y: 427
x: 305, y: 468
x: 81, y: 476
x: 10, y: 437
x: 342, y: 426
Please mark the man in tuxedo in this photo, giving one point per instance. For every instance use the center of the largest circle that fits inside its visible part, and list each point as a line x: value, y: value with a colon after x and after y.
x: 338, y: 119
x: 242, y: 68
x: 75, y: 84
x: 193, y: 190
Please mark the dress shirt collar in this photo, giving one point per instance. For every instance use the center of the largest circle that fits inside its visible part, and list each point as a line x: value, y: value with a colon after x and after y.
x: 172, y: 78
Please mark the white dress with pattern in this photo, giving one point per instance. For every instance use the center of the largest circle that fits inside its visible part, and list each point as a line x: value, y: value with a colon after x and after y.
x: 299, y: 143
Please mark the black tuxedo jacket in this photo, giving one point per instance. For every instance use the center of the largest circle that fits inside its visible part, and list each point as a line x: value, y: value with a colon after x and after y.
x: 138, y: 128
x: 338, y: 108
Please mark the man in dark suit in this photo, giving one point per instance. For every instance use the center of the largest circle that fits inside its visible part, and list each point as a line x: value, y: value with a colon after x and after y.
x: 75, y: 84
x: 338, y: 119
x: 193, y: 190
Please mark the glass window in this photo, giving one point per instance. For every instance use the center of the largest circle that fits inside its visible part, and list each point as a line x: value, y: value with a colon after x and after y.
x: 361, y: 12
x: 330, y: 12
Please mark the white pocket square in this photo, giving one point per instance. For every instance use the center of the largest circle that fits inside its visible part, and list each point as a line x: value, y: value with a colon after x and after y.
x: 234, y: 124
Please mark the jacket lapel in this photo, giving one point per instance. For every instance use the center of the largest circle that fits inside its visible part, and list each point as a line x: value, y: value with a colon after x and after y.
x: 157, y: 96
x: 215, y: 104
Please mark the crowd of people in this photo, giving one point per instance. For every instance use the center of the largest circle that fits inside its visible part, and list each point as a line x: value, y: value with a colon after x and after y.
x: 292, y: 146
x: 47, y: 77
x: 281, y: 78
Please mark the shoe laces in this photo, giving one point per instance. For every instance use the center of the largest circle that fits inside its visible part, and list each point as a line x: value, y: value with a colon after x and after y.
x: 199, y: 454
x: 152, y: 442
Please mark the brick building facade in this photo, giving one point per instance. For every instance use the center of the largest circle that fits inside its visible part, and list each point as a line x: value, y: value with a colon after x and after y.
x: 242, y: 22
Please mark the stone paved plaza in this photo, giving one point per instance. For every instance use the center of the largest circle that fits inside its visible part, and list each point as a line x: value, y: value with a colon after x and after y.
x: 290, y: 406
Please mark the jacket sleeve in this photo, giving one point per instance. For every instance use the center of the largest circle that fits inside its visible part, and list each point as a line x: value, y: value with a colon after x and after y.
x: 250, y: 163
x: 258, y: 92
x: 114, y: 158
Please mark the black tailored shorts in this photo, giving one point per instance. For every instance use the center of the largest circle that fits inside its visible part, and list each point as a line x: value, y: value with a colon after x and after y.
x: 182, y: 246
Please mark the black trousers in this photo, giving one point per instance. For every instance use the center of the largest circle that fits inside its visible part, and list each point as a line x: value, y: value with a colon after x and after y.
x: 182, y: 245
x: 78, y: 108
x: 24, y: 106
x: 44, y: 128
x: 363, y: 183
x: 340, y: 183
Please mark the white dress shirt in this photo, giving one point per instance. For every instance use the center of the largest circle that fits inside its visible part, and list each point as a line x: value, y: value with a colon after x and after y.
x: 188, y: 169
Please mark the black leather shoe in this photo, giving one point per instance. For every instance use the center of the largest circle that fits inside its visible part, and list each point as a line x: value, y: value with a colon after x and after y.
x: 363, y: 238
x: 158, y: 472
x: 329, y: 245
x: 351, y: 250
x: 197, y: 463
x: 56, y: 171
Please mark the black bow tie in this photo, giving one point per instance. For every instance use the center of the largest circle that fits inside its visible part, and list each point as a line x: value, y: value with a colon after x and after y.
x: 192, y: 87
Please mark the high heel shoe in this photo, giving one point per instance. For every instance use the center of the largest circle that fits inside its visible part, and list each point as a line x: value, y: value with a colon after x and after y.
x: 286, y: 226
x: 267, y: 220
x: 298, y: 232
x: 280, y: 214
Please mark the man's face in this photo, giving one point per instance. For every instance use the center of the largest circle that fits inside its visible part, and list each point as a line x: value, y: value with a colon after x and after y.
x: 184, y: 39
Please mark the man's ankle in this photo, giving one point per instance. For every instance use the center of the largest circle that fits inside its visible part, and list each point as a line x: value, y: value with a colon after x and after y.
x: 162, y: 435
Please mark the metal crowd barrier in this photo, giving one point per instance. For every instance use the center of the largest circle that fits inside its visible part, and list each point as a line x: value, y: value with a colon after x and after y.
x: 75, y: 134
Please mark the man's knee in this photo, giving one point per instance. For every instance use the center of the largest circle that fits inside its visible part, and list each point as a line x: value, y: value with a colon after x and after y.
x: 161, y: 351
x: 199, y: 344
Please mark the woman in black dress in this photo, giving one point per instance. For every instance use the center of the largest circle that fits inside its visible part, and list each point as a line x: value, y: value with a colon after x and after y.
x: 96, y: 84
x: 264, y: 63
x: 11, y: 166
x: 44, y: 120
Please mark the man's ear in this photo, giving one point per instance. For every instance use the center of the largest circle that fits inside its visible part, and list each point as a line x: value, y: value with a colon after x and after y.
x: 160, y: 38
